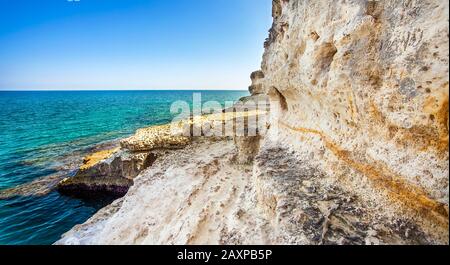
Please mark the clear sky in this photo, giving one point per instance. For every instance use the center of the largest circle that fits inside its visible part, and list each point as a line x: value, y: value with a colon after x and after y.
x: 131, y: 44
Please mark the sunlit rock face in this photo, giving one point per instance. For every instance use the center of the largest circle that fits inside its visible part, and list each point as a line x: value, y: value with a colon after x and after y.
x: 354, y: 151
x: 359, y: 91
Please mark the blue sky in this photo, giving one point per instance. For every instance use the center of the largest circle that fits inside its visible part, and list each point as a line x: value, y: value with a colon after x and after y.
x: 131, y: 44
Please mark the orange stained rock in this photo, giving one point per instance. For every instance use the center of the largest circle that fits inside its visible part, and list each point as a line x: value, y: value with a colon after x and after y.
x: 398, y: 188
x: 94, y: 158
x: 423, y: 138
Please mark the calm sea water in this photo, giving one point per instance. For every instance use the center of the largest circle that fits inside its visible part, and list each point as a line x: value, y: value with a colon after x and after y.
x: 38, y: 128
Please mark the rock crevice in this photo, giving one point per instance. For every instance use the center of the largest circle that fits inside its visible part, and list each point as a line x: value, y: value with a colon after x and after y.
x: 354, y: 149
x: 351, y: 85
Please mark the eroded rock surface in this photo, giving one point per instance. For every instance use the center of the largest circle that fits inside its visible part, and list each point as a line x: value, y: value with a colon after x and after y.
x: 154, y: 137
x: 359, y: 91
x: 112, y: 171
x: 355, y: 152
x: 107, y: 171
x: 193, y: 196
x: 309, y: 207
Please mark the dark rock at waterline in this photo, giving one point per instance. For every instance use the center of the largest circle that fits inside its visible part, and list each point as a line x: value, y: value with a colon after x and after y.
x: 89, y: 187
x: 121, y: 164
x: 38, y: 187
x: 111, y: 175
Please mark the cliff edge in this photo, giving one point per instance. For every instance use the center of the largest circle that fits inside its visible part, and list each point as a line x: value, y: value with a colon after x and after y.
x: 355, y: 152
x: 359, y: 89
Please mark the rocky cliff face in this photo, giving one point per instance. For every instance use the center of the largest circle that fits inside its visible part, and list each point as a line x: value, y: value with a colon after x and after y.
x: 359, y: 93
x: 112, y: 171
x: 355, y: 151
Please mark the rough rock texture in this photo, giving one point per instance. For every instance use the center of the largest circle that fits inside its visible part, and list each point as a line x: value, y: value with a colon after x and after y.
x: 93, y: 159
x: 308, y: 207
x: 122, y: 163
x: 242, y: 120
x: 94, y: 186
x: 247, y: 148
x: 256, y: 87
x: 199, y: 195
x: 356, y: 150
x: 359, y: 90
x: 154, y: 137
x: 107, y: 171
x: 192, y: 196
x: 112, y: 171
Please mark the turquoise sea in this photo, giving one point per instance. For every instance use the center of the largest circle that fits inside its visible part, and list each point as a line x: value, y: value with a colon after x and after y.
x: 39, y: 131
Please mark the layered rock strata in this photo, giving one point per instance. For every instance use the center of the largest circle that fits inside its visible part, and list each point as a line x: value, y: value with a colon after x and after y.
x: 355, y: 151
x: 112, y: 171
x: 359, y: 92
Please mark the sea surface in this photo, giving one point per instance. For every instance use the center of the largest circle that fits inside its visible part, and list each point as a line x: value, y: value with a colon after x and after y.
x: 40, y: 130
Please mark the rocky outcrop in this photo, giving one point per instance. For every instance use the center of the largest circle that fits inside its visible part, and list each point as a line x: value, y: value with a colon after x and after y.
x: 256, y: 87
x: 112, y: 171
x: 359, y: 93
x: 107, y: 172
x: 191, y: 196
x: 155, y: 137
x: 122, y: 163
x: 355, y: 149
x: 247, y: 148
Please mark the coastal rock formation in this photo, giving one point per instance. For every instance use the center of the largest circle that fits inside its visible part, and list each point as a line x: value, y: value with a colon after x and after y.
x: 247, y: 148
x: 106, y: 171
x: 155, y: 137
x: 121, y: 163
x: 359, y: 92
x: 256, y: 87
x: 355, y: 151
x: 38, y: 187
x: 201, y: 195
x: 192, y: 196
x: 112, y: 171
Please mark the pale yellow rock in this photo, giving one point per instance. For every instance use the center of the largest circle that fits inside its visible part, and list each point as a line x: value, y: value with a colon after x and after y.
x: 154, y: 137
x: 359, y: 89
x: 356, y: 150
x: 193, y: 196
x: 92, y: 159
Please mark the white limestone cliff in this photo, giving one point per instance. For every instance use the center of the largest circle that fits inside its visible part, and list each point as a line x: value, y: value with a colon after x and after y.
x: 359, y: 89
x: 356, y: 150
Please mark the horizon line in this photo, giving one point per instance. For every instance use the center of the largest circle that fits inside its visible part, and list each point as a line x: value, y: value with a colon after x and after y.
x: 82, y: 90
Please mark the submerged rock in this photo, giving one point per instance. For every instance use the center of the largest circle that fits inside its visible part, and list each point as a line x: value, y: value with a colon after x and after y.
x: 38, y: 187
